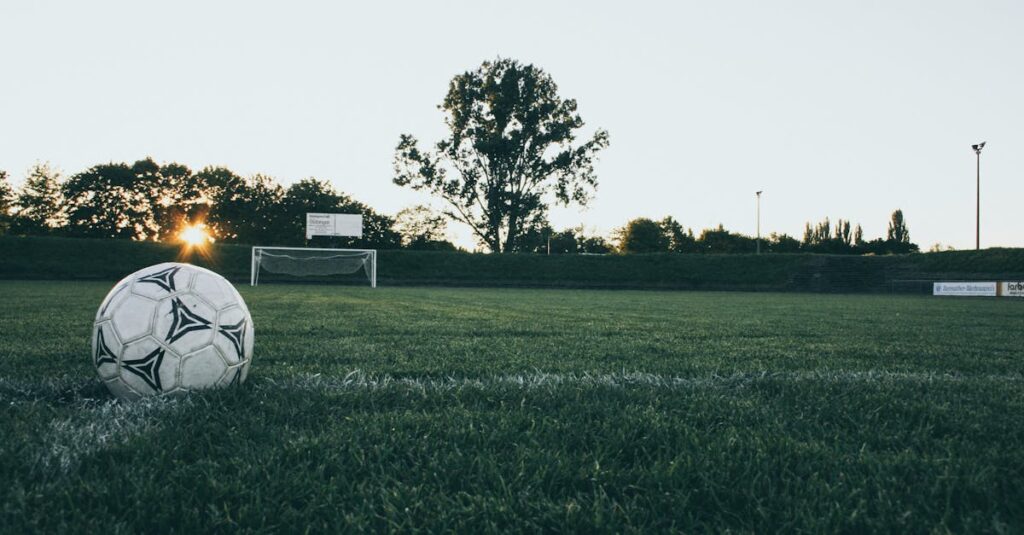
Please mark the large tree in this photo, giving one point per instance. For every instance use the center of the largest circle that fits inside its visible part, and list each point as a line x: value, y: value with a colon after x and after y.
x: 510, y: 149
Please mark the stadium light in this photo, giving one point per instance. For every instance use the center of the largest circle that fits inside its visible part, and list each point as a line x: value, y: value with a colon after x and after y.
x: 759, y: 222
x: 977, y: 213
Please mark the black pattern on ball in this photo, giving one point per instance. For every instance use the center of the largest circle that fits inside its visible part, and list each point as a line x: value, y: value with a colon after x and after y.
x: 148, y: 368
x: 103, y: 353
x: 163, y: 278
x: 185, y: 321
x: 236, y: 334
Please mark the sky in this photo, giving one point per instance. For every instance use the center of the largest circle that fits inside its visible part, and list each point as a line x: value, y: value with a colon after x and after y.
x: 839, y: 109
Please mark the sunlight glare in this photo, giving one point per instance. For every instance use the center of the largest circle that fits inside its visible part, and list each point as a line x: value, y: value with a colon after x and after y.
x: 195, y: 235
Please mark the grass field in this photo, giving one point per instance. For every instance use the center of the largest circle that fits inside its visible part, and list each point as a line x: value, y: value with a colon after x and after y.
x: 524, y: 410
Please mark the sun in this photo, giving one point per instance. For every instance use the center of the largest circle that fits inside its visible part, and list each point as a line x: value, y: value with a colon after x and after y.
x: 195, y: 235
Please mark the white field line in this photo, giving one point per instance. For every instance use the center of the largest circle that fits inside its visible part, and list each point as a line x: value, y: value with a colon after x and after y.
x: 94, y: 420
x: 358, y: 380
x: 97, y: 426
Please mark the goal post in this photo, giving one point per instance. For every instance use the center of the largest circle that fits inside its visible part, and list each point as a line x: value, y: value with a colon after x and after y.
x: 307, y: 261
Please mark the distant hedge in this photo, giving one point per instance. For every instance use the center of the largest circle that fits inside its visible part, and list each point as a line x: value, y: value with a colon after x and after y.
x: 70, y: 258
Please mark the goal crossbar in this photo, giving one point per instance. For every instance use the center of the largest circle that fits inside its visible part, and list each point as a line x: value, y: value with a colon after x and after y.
x: 259, y: 253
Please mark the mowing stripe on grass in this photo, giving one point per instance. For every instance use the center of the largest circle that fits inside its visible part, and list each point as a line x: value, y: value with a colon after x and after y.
x: 358, y: 380
x: 83, y: 391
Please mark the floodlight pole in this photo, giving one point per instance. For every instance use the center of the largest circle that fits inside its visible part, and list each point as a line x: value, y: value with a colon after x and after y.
x: 977, y: 209
x: 759, y: 222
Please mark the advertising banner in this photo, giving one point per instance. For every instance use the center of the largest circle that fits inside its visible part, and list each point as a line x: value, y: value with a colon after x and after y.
x: 986, y: 289
x: 1011, y: 289
x: 333, y: 225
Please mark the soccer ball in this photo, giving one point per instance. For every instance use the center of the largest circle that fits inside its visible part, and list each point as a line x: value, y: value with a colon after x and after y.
x: 171, y: 328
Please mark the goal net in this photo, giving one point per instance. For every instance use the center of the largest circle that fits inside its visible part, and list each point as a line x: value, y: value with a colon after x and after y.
x: 307, y: 262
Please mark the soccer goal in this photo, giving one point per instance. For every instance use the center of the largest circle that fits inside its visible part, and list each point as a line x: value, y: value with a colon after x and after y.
x: 308, y: 262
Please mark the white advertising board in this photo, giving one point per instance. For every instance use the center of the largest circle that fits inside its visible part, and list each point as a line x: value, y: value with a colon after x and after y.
x: 1011, y: 289
x: 986, y: 289
x: 333, y: 225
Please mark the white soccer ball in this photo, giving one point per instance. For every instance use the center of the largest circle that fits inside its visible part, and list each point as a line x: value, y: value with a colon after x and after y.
x: 171, y: 328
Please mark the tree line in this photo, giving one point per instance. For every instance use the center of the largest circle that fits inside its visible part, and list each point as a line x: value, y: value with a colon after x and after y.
x: 145, y: 200
x: 149, y: 201
x: 643, y: 235
x: 511, y: 151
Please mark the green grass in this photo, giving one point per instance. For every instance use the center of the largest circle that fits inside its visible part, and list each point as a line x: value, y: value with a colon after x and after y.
x: 526, y: 410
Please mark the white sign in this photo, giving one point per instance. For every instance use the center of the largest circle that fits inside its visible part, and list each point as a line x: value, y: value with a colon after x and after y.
x: 1012, y: 289
x: 334, y: 225
x: 986, y: 289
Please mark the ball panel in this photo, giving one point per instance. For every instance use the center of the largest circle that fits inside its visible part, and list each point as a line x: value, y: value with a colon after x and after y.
x: 232, y: 376
x: 238, y: 297
x: 120, y: 290
x: 132, y: 317
x: 162, y: 280
x: 208, y: 285
x: 170, y: 371
x: 142, y: 365
x: 121, y: 390
x: 202, y: 369
x: 245, y: 371
x: 184, y: 323
x: 231, y: 334
x: 105, y: 350
x: 250, y: 339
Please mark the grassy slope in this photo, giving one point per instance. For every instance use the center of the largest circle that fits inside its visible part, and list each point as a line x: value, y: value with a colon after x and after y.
x: 481, y: 410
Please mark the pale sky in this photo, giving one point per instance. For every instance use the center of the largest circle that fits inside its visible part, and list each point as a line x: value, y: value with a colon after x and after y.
x: 840, y: 109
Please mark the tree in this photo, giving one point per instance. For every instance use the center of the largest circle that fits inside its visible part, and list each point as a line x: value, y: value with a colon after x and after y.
x: 6, y: 202
x: 39, y: 203
x: 937, y: 247
x: 680, y: 240
x: 421, y: 228
x: 572, y: 240
x: 113, y: 200
x: 254, y: 208
x: 843, y: 234
x: 898, y: 235
x: 643, y: 235
x: 587, y: 244
x: 510, y: 149
x: 719, y: 240
x: 221, y: 204
x: 176, y: 196
x: 842, y: 238
x: 898, y: 231
x: 783, y: 243
x: 593, y: 245
x: 564, y: 242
